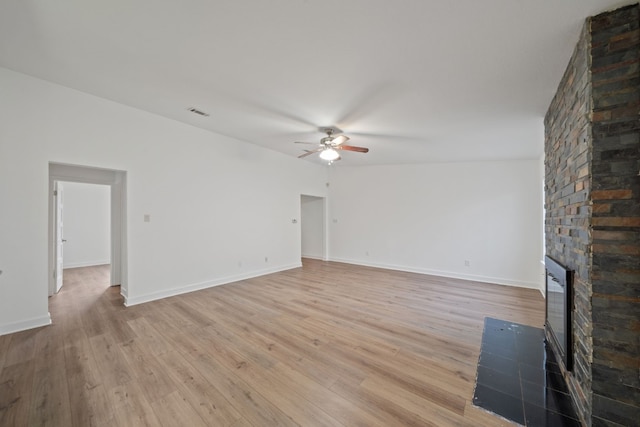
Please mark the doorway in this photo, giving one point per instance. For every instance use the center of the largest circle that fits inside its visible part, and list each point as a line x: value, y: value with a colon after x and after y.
x: 116, y: 181
x: 83, y: 224
x: 313, y: 227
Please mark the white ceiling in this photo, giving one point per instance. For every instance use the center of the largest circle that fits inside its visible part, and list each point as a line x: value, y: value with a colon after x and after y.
x: 413, y: 80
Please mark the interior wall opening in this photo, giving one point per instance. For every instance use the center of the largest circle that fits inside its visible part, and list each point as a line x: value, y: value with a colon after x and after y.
x: 83, y: 233
x: 108, y: 263
x: 313, y: 227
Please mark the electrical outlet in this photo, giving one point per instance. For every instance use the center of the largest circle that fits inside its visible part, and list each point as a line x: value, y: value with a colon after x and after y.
x: 266, y: 259
x: 467, y: 263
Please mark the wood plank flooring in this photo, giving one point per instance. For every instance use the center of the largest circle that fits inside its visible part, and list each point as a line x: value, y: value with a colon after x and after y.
x: 327, y: 344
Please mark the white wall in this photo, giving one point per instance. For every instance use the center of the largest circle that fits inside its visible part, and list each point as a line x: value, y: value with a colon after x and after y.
x: 220, y: 207
x: 217, y: 206
x: 312, y: 226
x: 431, y: 218
x: 86, y: 221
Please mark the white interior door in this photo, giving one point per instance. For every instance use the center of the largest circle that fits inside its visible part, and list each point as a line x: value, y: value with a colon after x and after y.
x: 59, y: 202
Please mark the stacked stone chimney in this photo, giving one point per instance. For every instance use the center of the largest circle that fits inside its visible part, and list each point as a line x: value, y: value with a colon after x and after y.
x: 592, y: 224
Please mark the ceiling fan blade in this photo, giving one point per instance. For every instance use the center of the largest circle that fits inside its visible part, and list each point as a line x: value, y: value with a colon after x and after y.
x: 339, y: 140
x: 304, y: 142
x: 352, y: 148
x: 309, y: 152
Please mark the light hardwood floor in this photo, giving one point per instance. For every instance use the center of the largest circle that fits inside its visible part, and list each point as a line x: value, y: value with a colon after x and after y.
x: 328, y: 344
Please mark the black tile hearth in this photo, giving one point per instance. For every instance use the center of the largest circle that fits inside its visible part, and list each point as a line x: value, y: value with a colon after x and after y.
x: 519, y: 379
x: 502, y: 404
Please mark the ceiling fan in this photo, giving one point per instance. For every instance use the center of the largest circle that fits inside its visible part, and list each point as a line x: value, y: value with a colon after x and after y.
x: 331, y: 144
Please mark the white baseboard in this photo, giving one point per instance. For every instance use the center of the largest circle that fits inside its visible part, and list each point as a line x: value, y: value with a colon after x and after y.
x: 452, y: 275
x: 318, y: 257
x: 23, y: 325
x: 204, y: 285
x: 86, y: 264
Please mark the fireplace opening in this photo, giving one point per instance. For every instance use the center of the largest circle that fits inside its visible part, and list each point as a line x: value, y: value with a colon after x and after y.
x: 558, y: 287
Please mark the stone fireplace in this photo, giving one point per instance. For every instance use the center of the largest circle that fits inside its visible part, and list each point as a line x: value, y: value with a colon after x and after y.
x: 558, y: 323
x: 592, y: 224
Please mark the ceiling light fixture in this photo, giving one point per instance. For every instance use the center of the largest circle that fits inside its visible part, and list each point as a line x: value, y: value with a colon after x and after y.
x: 330, y: 146
x: 329, y: 154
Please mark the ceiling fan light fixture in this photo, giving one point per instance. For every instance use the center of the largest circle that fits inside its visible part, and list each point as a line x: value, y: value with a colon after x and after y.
x: 329, y: 154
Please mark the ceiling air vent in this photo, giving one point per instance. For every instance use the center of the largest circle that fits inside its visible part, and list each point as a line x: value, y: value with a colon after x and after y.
x: 199, y: 112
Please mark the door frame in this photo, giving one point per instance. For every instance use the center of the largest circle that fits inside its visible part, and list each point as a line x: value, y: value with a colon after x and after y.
x: 117, y: 181
x: 325, y: 225
x: 58, y: 254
